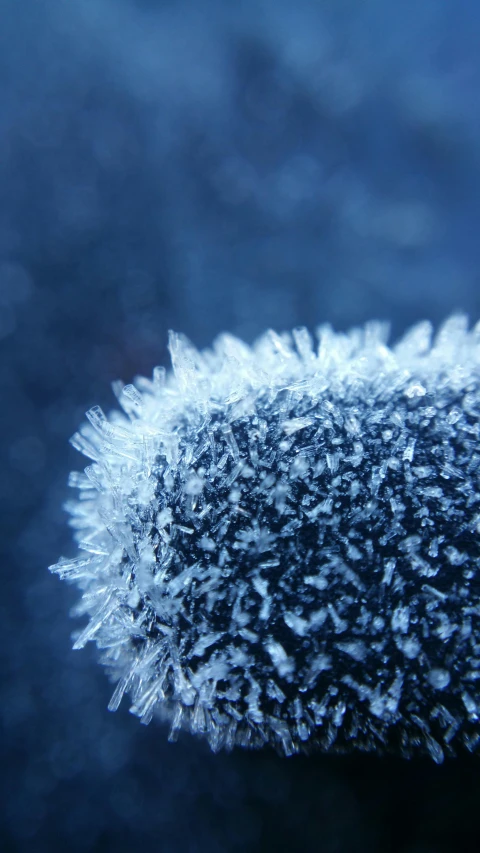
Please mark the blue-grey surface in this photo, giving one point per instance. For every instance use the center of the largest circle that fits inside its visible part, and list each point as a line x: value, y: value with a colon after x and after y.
x: 207, y: 166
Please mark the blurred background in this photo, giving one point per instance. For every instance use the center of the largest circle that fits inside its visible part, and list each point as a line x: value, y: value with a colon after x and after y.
x: 207, y: 166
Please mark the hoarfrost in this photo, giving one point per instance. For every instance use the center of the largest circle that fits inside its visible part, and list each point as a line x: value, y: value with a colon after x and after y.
x: 280, y: 543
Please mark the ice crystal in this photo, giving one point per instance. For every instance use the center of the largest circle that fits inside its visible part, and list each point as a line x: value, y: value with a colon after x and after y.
x: 281, y: 542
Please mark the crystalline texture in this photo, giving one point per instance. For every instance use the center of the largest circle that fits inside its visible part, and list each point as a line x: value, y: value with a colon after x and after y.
x: 282, y: 541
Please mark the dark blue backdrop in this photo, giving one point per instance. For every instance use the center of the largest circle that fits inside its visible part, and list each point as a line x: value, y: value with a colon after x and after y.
x: 207, y: 166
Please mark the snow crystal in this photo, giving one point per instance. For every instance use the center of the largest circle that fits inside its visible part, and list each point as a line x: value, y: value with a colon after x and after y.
x: 439, y: 678
x: 401, y: 619
x: 282, y: 663
x: 356, y: 650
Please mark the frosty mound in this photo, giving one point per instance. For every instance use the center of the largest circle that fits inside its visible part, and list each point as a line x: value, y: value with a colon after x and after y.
x: 281, y: 542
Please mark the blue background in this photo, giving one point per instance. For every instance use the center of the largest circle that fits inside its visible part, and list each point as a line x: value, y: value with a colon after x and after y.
x: 207, y: 166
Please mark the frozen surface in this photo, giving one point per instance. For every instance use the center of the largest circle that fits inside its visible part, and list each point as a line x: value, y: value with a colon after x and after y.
x: 280, y: 542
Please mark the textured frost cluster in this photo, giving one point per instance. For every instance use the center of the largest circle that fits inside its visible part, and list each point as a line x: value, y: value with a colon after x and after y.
x: 281, y: 542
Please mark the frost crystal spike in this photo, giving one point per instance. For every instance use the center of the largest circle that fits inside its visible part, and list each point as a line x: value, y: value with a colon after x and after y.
x: 281, y: 543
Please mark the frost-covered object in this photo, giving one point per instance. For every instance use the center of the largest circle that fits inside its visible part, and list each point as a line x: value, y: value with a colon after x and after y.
x: 282, y: 542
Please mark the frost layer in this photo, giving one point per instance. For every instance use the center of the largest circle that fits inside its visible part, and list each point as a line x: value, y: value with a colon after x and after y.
x: 281, y: 543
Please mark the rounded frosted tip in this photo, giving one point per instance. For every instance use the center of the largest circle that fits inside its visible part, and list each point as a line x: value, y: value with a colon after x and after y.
x: 280, y: 543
